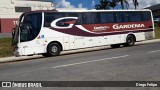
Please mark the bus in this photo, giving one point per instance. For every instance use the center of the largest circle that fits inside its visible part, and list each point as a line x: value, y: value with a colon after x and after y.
x: 53, y: 31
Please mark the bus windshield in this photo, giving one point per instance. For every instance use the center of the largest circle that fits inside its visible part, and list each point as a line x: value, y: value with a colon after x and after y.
x: 30, y: 27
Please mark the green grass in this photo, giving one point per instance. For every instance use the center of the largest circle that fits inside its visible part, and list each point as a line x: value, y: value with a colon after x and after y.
x: 5, y: 47
x: 157, y: 32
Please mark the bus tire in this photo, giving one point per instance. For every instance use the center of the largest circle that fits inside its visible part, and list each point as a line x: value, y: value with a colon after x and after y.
x: 53, y: 49
x: 130, y: 41
x: 115, y: 46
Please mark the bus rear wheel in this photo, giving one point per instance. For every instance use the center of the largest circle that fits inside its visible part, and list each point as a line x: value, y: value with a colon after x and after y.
x: 53, y: 49
x: 130, y: 41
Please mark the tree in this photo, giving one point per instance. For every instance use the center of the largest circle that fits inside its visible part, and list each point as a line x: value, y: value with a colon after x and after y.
x: 98, y: 7
x: 122, y: 3
x: 135, y: 2
x: 113, y: 4
x: 104, y: 4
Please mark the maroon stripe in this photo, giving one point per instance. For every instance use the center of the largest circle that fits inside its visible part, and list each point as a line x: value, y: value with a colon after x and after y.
x: 137, y: 31
x: 109, y: 30
x: 78, y: 32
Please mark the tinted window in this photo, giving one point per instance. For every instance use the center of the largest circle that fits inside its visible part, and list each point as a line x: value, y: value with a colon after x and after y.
x: 125, y: 16
x: 91, y: 18
x: 119, y: 17
x: 34, y: 21
x: 50, y: 17
x: 96, y: 18
x: 146, y: 16
x: 80, y: 19
x: 135, y: 16
x: 107, y: 17
x: 122, y: 17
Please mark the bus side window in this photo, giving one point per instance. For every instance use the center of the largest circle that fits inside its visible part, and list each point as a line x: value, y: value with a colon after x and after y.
x: 119, y: 17
x: 48, y: 20
x: 80, y: 19
x: 86, y: 18
x: 50, y: 17
x: 125, y: 16
x: 146, y: 16
x: 70, y: 14
x: 135, y: 16
x: 91, y: 18
x: 107, y: 17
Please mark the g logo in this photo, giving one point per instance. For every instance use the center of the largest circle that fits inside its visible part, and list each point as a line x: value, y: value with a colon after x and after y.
x: 71, y: 23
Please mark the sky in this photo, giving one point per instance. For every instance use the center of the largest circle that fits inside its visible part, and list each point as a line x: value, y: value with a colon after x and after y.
x: 89, y: 4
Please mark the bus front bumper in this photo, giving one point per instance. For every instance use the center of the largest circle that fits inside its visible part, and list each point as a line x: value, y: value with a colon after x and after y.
x: 16, y: 51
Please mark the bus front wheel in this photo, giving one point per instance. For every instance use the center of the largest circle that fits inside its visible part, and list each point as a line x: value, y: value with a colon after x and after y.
x: 53, y: 49
x: 130, y: 41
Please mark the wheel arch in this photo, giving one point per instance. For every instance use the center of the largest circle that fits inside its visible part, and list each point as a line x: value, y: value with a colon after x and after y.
x: 57, y: 43
x: 131, y: 34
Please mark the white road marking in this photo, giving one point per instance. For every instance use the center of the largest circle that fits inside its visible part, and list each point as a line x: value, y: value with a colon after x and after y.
x: 90, y: 61
x: 154, y: 51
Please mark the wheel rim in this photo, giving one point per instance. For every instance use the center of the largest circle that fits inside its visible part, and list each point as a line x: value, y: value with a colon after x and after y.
x: 54, y: 49
x: 130, y: 41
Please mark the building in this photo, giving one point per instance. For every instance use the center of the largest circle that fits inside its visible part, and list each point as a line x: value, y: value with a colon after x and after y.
x: 71, y: 9
x: 10, y: 10
x: 155, y: 10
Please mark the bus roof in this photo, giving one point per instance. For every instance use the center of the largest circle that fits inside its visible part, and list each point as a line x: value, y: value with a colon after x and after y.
x: 83, y: 10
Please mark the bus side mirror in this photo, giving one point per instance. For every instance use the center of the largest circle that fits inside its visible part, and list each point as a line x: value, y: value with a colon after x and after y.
x: 13, y: 31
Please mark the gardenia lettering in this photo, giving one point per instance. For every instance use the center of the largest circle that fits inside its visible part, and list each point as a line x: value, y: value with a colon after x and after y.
x: 116, y: 26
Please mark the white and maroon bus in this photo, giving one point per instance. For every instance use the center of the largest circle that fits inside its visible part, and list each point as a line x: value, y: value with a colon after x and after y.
x: 50, y: 32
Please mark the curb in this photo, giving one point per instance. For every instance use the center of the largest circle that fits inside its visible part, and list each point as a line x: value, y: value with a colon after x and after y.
x: 13, y: 58
x: 148, y: 41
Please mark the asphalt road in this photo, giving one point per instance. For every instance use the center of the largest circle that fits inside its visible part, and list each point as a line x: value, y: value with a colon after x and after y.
x: 137, y: 63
